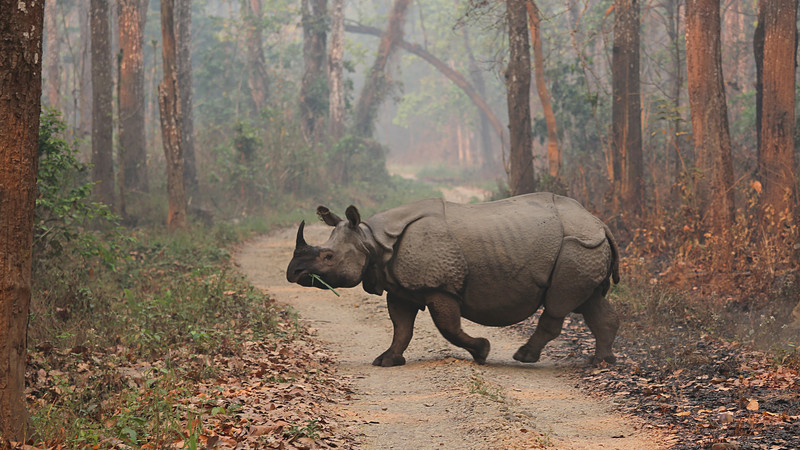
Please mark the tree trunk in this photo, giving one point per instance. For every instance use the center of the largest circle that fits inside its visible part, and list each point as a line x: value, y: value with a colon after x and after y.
x: 170, y: 106
x: 51, y: 66
x: 553, y: 153
x: 336, y: 103
x: 712, y: 142
x: 674, y: 142
x: 758, y: 52
x: 447, y: 71
x: 257, y: 78
x: 377, y: 84
x: 314, y: 86
x: 183, y: 32
x: 132, y: 138
x: 102, y: 121
x: 777, y: 160
x: 20, y: 95
x: 85, y: 82
x: 488, y: 153
x: 626, y: 109
x: 518, y: 85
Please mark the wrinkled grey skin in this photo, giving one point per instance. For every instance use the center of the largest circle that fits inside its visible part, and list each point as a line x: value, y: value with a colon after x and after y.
x: 492, y: 263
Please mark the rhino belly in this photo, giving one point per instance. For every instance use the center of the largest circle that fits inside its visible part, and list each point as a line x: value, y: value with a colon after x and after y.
x: 490, y: 303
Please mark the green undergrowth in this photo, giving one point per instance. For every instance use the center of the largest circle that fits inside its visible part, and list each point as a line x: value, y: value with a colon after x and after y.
x: 108, y: 342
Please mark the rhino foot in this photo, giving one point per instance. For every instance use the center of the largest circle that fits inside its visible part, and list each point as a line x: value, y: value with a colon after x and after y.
x: 526, y: 355
x: 609, y: 359
x: 481, y: 351
x: 387, y: 360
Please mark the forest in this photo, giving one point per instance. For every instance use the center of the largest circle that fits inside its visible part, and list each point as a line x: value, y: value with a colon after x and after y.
x: 146, y: 144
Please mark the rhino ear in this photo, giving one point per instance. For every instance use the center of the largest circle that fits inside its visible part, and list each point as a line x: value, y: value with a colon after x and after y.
x: 327, y: 216
x: 353, y: 216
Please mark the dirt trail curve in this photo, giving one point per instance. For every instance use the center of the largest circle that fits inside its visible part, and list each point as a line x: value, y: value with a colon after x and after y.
x: 440, y: 398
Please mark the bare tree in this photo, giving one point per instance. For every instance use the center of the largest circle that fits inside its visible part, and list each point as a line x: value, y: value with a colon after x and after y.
x: 170, y: 106
x: 314, y: 85
x: 710, y: 133
x: 132, y: 138
x: 85, y: 83
x: 377, y: 85
x: 776, y: 159
x: 336, y: 103
x: 518, y: 85
x: 102, y: 123
x: 21, y: 27
x: 626, y: 150
x: 553, y: 153
x: 477, y: 99
x: 488, y: 153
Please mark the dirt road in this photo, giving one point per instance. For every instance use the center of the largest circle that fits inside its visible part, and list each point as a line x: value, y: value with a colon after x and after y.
x: 440, y: 398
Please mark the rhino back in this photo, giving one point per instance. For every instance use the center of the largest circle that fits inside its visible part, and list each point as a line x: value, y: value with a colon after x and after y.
x: 510, y: 247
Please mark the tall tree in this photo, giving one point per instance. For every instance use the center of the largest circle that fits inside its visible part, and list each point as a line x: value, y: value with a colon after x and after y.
x: 85, y: 82
x: 673, y: 22
x: 518, y: 86
x: 170, y: 106
x: 710, y: 133
x: 21, y: 25
x: 102, y: 124
x: 553, y: 153
x: 776, y: 159
x: 257, y: 78
x: 377, y: 84
x: 489, y: 156
x: 132, y: 138
x: 626, y: 116
x: 336, y: 103
x: 183, y: 30
x: 314, y: 85
x: 51, y: 55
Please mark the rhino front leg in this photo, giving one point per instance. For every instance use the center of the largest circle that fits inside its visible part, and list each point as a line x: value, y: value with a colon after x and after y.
x: 403, y: 315
x: 547, y: 329
x: 446, y: 314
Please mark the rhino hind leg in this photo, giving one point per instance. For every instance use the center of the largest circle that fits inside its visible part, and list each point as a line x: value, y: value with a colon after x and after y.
x: 403, y: 314
x: 446, y: 314
x: 547, y: 329
x: 603, y: 321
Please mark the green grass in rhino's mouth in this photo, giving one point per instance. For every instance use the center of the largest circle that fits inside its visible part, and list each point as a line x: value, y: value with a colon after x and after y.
x: 317, y: 278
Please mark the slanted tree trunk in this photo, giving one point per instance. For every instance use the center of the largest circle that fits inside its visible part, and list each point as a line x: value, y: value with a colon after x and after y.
x: 21, y: 27
x: 257, y: 78
x: 183, y: 30
x: 626, y: 109
x: 170, y: 106
x: 518, y: 85
x: 776, y: 159
x: 51, y: 48
x: 102, y: 123
x: 710, y: 133
x: 447, y: 71
x: 314, y: 85
x: 132, y: 138
x: 377, y: 83
x: 553, y: 153
x: 336, y: 102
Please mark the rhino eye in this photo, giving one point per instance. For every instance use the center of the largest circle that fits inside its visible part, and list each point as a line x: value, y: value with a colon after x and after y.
x: 328, y: 256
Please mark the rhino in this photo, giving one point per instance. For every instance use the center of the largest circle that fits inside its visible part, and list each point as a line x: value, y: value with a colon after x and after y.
x: 493, y: 263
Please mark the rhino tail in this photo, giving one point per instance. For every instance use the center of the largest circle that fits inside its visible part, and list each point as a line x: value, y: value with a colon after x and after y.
x: 614, y: 254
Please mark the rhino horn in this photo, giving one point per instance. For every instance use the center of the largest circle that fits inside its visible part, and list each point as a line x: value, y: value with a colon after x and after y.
x: 301, y: 242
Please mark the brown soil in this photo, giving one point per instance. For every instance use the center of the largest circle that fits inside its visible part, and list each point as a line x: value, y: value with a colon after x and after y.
x: 440, y: 398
